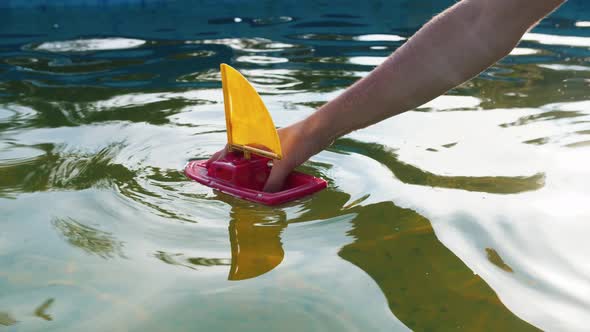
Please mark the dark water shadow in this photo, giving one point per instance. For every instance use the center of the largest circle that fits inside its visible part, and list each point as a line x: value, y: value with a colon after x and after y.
x: 426, y: 286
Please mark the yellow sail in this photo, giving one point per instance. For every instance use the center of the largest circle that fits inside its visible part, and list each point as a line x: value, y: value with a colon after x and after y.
x: 249, y: 125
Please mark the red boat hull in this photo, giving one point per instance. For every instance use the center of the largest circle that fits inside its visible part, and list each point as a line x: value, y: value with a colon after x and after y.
x: 245, y: 179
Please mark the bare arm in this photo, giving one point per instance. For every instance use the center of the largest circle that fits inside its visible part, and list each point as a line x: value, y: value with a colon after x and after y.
x: 449, y: 50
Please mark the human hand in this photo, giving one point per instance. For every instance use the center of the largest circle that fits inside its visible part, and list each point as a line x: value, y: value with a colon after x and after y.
x: 297, y: 147
x: 299, y: 142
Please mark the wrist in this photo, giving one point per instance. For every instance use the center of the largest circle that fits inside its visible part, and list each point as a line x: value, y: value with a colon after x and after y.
x: 319, y: 130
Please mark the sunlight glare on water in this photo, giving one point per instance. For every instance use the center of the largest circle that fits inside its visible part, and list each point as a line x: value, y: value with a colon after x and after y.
x: 87, y: 45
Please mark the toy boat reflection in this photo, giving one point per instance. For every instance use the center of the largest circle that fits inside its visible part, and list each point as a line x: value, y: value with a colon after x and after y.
x: 255, y: 237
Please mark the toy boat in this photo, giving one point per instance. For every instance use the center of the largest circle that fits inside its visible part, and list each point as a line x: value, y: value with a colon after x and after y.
x: 252, y: 143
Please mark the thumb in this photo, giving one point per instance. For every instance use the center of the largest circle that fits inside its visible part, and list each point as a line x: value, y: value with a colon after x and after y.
x: 216, y: 156
x: 277, y: 177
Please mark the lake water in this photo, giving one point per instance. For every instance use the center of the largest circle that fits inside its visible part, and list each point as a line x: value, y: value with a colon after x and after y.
x: 468, y: 213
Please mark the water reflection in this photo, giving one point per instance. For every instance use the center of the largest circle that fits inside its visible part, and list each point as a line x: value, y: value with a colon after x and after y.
x: 414, y: 175
x: 6, y: 319
x: 254, y: 233
x: 545, y: 116
x: 557, y: 40
x: 495, y: 259
x: 255, y: 237
x: 192, y: 263
x: 426, y: 286
x: 53, y: 167
x: 41, y: 311
x: 87, y: 45
x: 89, y: 239
x: 56, y: 107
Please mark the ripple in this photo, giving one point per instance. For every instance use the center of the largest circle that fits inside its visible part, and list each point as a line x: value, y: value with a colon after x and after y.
x: 367, y: 60
x: 135, y: 77
x: 12, y: 155
x: 582, y: 144
x: 322, y: 36
x: 228, y: 20
x: 41, y: 310
x: 413, y: 175
x: 565, y: 67
x: 378, y: 37
x: 89, y: 239
x: 47, y: 167
x: 538, y: 141
x: 21, y: 61
x: 261, y: 60
x: 249, y: 45
x: 497, y: 260
x: 15, y: 115
x: 272, y: 80
x: 141, y: 99
x: 6, y: 319
x: 68, y: 66
x: 192, y: 263
x: 328, y: 24
x: 524, y: 51
x: 194, y: 54
x: 447, y: 102
x: 272, y: 20
x: 544, y: 116
x: 557, y: 39
x: 88, y: 45
x: 210, y: 75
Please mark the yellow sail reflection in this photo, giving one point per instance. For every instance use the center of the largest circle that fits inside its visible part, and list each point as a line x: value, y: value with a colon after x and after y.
x: 249, y: 125
x: 255, y: 238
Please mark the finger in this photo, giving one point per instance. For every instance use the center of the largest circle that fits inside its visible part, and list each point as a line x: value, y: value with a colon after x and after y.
x: 276, y: 179
x: 216, y: 156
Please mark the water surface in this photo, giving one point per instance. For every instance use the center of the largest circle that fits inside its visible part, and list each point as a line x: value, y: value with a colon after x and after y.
x: 467, y: 213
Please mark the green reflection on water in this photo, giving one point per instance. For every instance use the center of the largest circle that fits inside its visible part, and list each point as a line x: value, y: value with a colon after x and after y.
x: 497, y: 260
x: 41, y: 311
x: 56, y: 168
x: 426, y: 285
x: 57, y: 106
x: 91, y: 240
x: 192, y: 263
x: 6, y: 319
x: 413, y: 175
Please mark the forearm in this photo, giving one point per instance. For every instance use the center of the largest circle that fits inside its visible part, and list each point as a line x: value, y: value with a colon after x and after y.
x: 452, y: 48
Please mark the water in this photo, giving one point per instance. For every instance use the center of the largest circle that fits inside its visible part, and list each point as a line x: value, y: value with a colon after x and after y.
x: 468, y: 213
